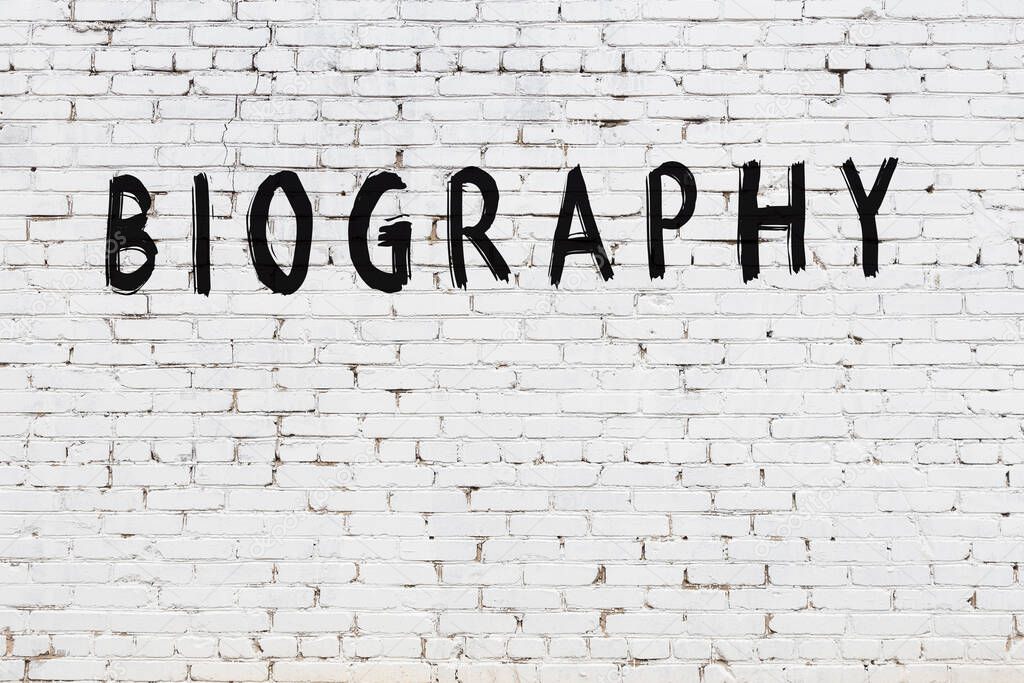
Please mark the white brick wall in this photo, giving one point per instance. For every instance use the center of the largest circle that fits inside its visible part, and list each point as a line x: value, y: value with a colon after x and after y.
x: 810, y: 477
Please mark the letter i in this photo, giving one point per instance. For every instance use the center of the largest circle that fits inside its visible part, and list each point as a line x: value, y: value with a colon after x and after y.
x: 201, y: 238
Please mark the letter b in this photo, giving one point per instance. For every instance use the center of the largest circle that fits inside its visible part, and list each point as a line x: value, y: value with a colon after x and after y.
x: 124, y: 234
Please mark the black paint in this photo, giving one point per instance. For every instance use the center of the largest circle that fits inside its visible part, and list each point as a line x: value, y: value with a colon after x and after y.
x: 266, y: 266
x: 575, y: 200
x: 396, y: 235
x: 753, y: 219
x: 868, y: 206
x: 477, y: 233
x: 201, y: 240
x: 129, y: 233
x: 656, y: 222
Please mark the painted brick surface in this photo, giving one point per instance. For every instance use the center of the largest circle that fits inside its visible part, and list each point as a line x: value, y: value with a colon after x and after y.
x: 812, y: 476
